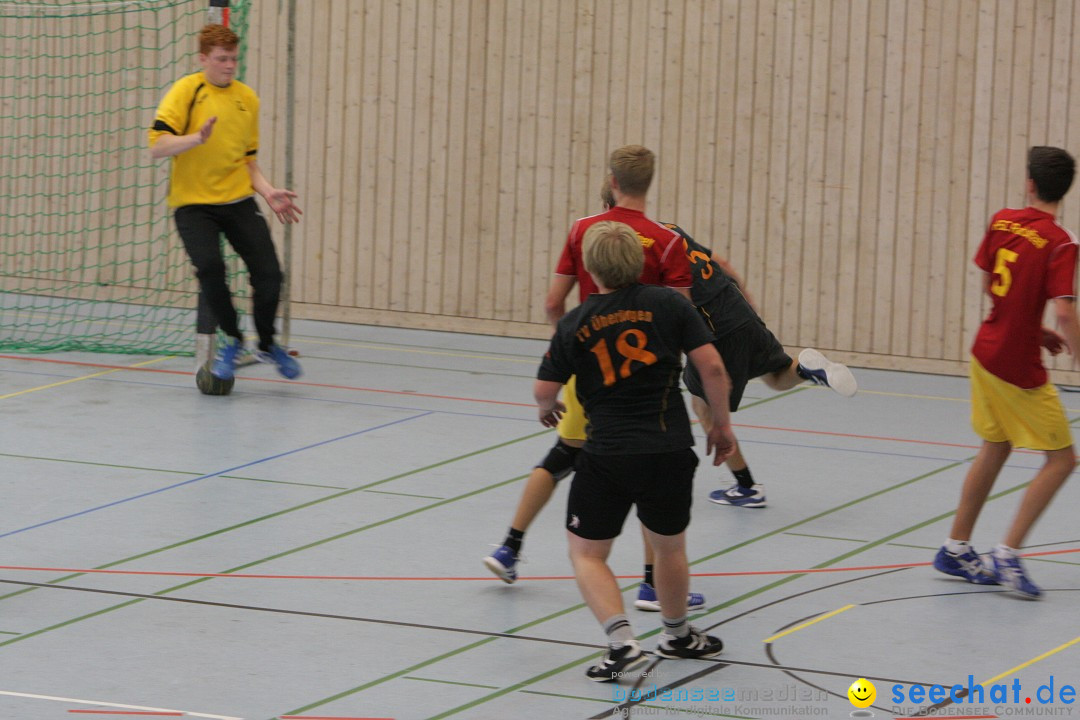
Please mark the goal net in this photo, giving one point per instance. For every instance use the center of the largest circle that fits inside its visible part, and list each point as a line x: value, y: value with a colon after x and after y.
x: 89, y: 257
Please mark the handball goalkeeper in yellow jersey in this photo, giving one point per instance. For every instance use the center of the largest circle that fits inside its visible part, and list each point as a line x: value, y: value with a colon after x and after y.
x: 208, y: 123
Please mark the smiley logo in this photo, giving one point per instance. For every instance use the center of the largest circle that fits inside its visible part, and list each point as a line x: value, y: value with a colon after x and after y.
x: 862, y: 693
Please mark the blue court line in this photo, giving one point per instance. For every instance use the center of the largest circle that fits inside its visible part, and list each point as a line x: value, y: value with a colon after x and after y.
x: 213, y: 474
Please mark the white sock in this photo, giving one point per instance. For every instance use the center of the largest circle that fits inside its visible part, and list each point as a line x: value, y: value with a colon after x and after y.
x: 676, y: 627
x: 956, y: 547
x: 618, y: 630
x: 1004, y: 551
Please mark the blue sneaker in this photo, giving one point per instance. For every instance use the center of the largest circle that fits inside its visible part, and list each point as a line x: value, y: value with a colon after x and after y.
x: 821, y: 371
x: 752, y: 497
x: 503, y: 562
x: 647, y: 600
x: 225, y: 361
x: 277, y: 355
x: 1010, y: 573
x: 967, y: 565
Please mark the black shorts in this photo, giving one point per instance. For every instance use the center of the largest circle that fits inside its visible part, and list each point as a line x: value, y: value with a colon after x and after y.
x: 605, y: 486
x: 749, y: 352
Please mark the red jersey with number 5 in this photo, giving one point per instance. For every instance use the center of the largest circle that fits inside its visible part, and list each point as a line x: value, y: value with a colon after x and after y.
x: 1031, y: 259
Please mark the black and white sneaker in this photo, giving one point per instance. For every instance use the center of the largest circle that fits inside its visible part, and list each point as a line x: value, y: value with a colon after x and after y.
x: 695, y: 645
x: 617, y: 663
x: 819, y: 370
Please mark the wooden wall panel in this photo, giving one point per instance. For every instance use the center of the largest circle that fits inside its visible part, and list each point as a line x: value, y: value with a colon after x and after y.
x: 845, y: 155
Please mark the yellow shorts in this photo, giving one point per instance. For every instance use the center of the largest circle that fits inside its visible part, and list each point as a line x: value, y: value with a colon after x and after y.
x: 1003, y: 412
x: 572, y: 424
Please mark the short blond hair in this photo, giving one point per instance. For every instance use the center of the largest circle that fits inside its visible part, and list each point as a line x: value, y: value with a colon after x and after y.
x: 606, y: 196
x: 632, y: 167
x: 212, y: 36
x: 612, y: 252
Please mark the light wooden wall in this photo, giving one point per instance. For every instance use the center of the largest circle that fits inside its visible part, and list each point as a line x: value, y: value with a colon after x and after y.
x: 845, y: 155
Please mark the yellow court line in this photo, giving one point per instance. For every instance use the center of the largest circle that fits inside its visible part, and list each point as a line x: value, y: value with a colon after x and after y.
x: 808, y: 623
x: 84, y: 377
x: 367, y: 346
x: 914, y: 395
x: 1032, y: 661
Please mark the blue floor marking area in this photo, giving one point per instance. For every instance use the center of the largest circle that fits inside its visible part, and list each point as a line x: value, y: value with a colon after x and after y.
x: 213, y: 474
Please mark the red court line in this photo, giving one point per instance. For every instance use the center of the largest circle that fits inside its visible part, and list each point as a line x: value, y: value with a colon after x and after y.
x: 407, y: 393
x: 163, y: 371
x: 489, y: 402
x: 251, y: 576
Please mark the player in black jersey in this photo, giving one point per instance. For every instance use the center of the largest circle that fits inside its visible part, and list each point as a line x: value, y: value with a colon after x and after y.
x: 749, y: 350
x: 625, y: 345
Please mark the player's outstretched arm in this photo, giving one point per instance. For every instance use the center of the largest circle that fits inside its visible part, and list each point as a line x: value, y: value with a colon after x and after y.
x: 280, y: 200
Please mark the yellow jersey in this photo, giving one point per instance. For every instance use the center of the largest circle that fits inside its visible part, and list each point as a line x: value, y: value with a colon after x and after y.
x: 215, y: 172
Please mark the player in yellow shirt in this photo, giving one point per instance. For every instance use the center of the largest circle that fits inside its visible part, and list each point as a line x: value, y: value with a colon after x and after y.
x: 208, y: 123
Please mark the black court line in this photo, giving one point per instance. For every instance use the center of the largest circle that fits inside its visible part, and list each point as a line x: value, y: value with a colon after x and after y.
x: 623, y: 709
x: 302, y: 613
x: 717, y: 664
x: 930, y: 709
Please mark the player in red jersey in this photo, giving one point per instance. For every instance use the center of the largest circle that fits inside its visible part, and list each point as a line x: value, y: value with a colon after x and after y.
x: 665, y: 263
x: 1028, y: 259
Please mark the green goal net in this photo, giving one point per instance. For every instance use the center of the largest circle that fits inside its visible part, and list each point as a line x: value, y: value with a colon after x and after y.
x: 89, y: 257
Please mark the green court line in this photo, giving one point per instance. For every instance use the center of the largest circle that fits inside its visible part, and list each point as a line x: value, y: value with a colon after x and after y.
x: 1050, y: 560
x: 825, y: 537
x: 575, y: 663
x: 387, y: 492
x: 916, y: 547
x: 253, y: 563
x: 669, y: 708
x: 824, y: 513
x: 283, y: 482
x: 7, y: 632
x: 775, y: 396
x: 565, y: 696
x: 286, y: 511
x: 769, y: 586
x: 163, y: 471
x: 449, y: 682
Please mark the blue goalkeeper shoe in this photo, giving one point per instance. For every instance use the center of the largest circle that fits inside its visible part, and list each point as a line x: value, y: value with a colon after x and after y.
x: 279, y: 356
x: 225, y: 361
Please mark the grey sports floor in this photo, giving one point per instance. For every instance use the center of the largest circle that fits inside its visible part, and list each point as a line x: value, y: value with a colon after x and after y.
x: 312, y: 548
